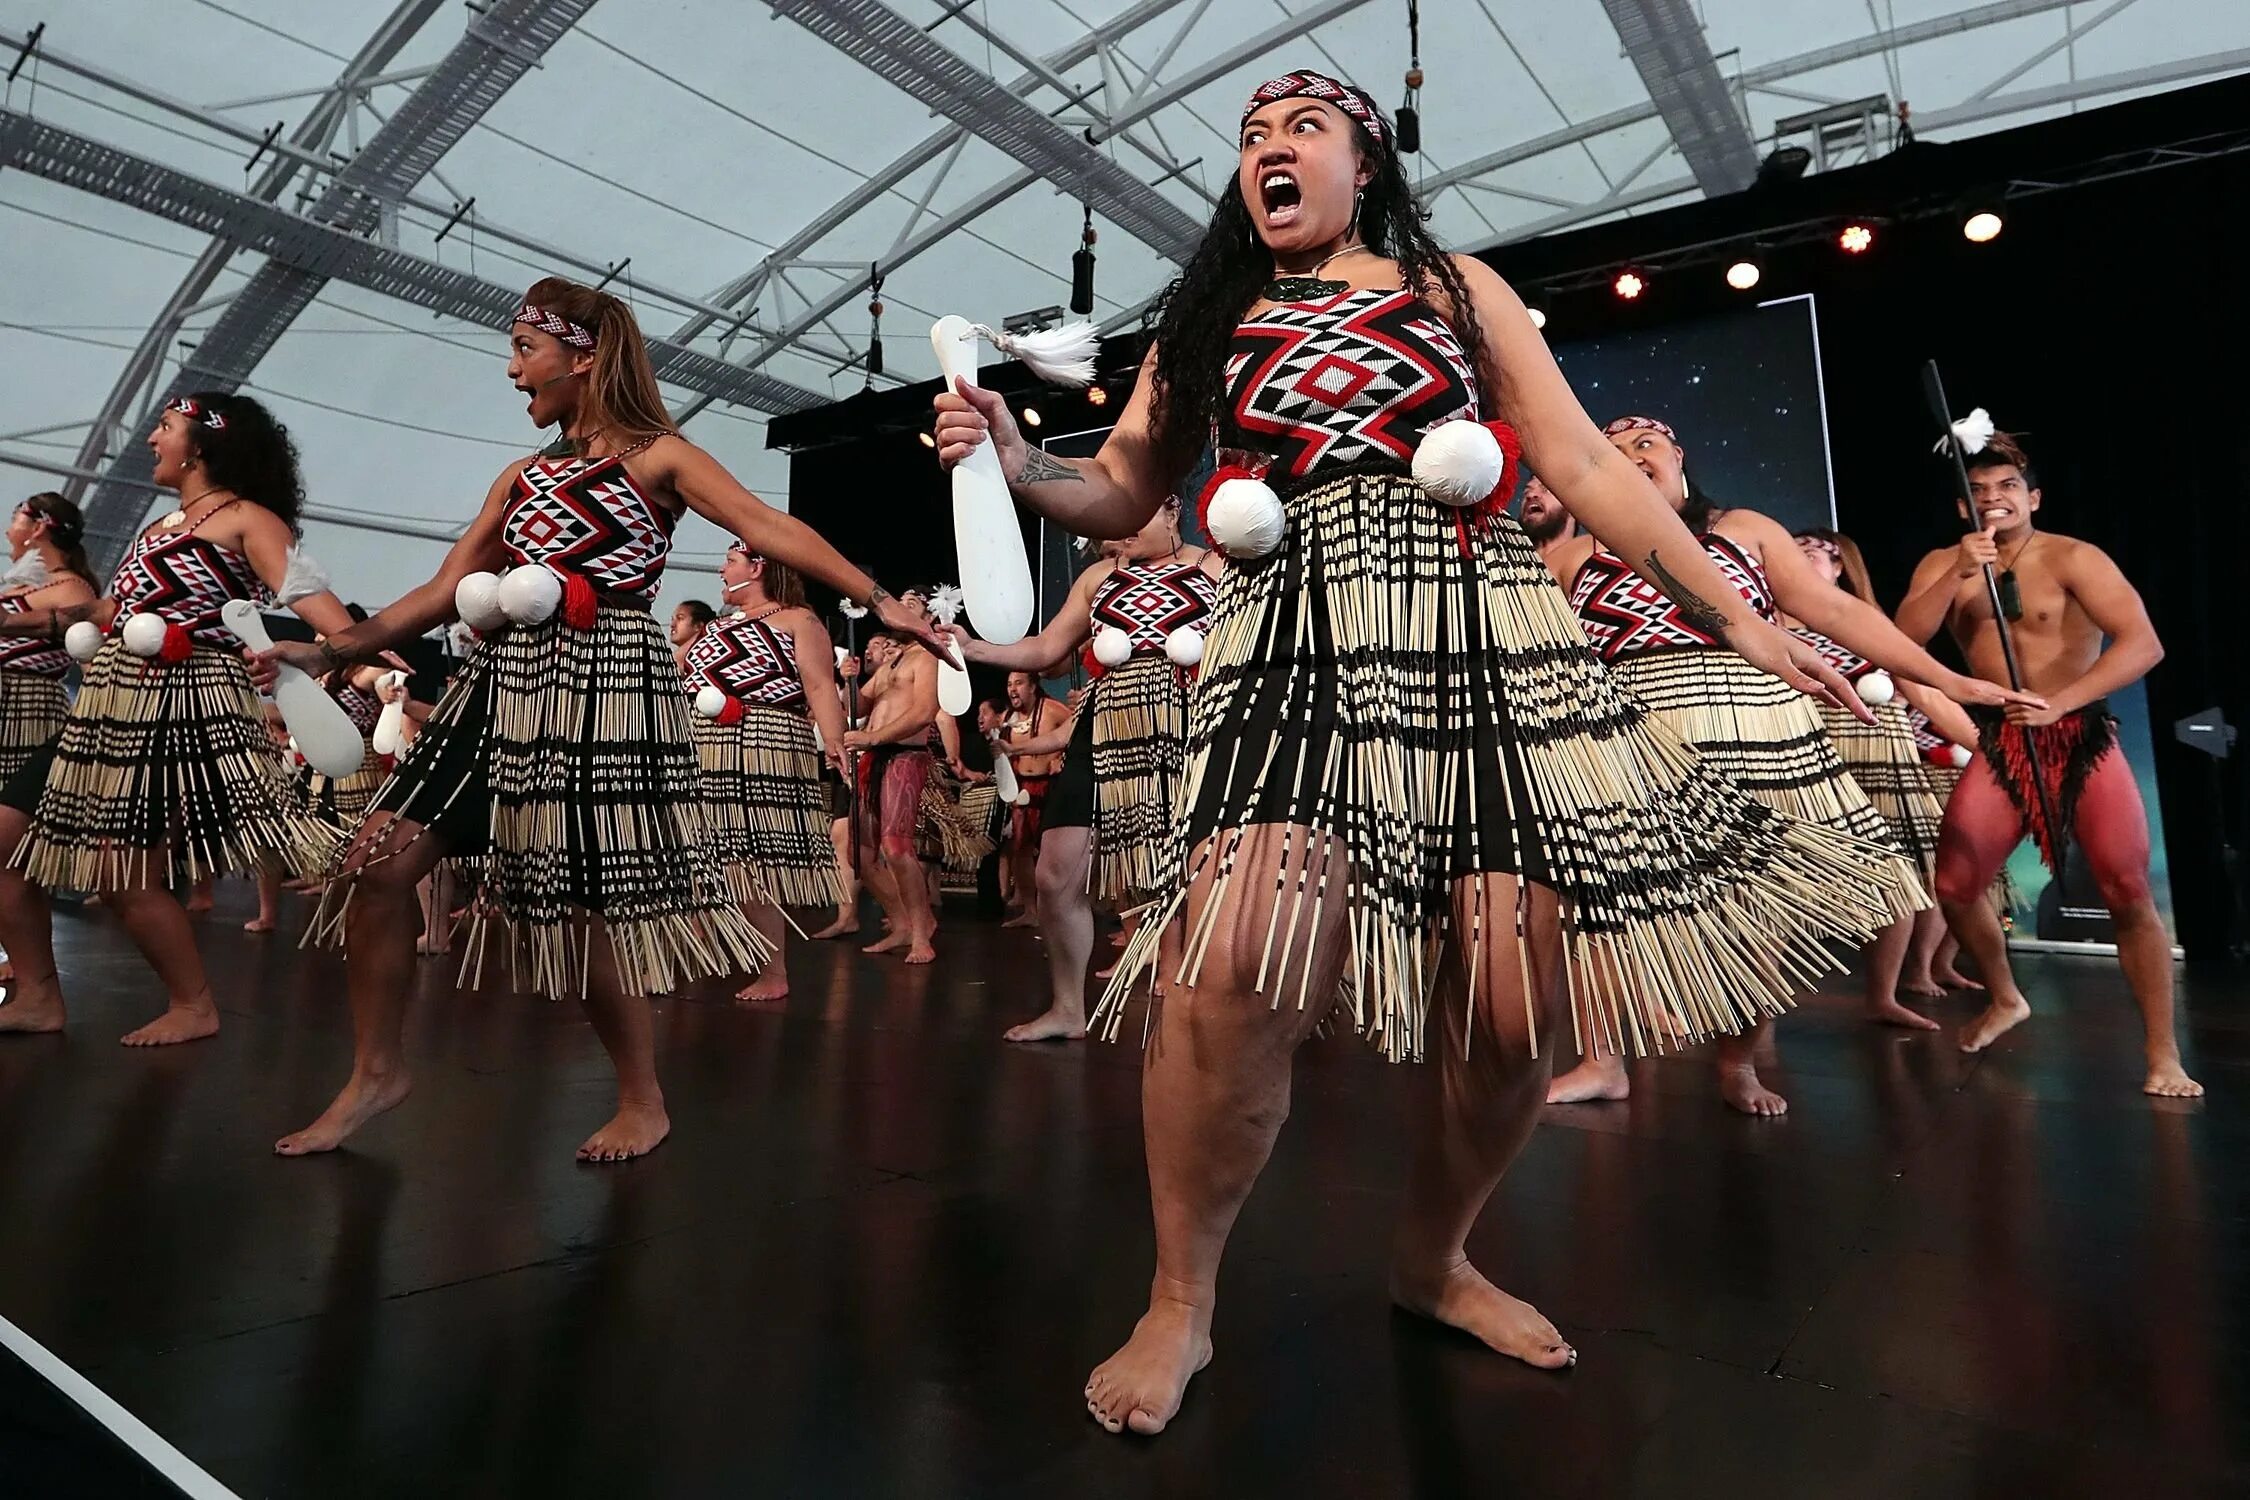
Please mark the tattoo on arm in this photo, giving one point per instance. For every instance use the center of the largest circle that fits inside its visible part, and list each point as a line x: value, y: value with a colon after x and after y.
x: 1038, y: 468
x: 1700, y: 613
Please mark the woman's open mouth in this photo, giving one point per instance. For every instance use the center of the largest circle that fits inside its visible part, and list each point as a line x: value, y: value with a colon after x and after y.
x: 1281, y: 198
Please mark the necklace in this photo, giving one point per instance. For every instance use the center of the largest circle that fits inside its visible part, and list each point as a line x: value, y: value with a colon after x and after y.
x: 1309, y: 286
x: 178, y: 518
x: 2011, y: 594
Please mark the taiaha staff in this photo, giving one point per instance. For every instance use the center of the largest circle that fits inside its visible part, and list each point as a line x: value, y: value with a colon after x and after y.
x: 1959, y: 440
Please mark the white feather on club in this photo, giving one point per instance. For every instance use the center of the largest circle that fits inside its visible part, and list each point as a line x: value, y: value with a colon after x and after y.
x: 850, y: 610
x: 305, y: 576
x: 1969, y: 434
x: 946, y: 601
x: 1059, y: 356
x: 27, y: 572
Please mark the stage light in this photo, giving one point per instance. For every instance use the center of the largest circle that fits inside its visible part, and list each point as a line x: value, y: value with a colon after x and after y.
x: 1744, y: 274
x: 1031, y: 416
x: 1538, y: 318
x: 925, y: 440
x: 1629, y: 285
x: 1783, y: 164
x: 1855, y: 239
x: 1981, y: 228
x: 1097, y: 395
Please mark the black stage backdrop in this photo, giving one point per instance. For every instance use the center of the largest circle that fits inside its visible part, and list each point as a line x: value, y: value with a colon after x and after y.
x: 2107, y: 325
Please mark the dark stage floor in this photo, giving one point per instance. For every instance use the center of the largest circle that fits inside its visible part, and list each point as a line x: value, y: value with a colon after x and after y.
x: 882, y: 1250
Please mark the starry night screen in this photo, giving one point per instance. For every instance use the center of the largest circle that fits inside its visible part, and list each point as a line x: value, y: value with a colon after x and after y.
x: 1741, y: 390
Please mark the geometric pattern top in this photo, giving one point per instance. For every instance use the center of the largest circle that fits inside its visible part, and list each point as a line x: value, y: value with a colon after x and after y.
x: 586, y: 516
x: 185, y: 578
x: 28, y: 653
x: 1624, y: 614
x: 1848, y: 663
x: 1359, y: 376
x: 363, y: 708
x: 747, y: 659
x: 1148, y: 601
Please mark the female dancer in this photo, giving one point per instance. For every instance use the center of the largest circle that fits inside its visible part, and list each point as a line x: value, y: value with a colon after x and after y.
x: 688, y: 622
x: 1890, y: 768
x: 162, y: 775
x: 1399, y: 735
x: 559, y: 759
x: 48, y: 570
x: 763, y: 799
x: 1769, y: 742
x: 1107, y: 826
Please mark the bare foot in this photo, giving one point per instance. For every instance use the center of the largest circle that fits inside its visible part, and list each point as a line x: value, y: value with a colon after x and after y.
x: 196, y: 906
x: 1596, y: 1078
x: 1891, y: 1013
x: 359, y: 1101
x: 635, y: 1130
x: 1994, y: 1022
x: 1054, y: 1026
x: 841, y: 927
x: 180, y: 1023
x: 890, y: 942
x: 1924, y: 988
x: 1021, y: 919
x: 921, y: 953
x: 768, y: 986
x: 2168, y: 1080
x: 258, y: 924
x: 32, y: 1012
x: 1740, y: 1087
x: 1139, y: 1387
x: 1460, y: 1297
x: 1954, y: 979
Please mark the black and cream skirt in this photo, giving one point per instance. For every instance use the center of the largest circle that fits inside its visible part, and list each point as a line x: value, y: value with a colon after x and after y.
x: 1887, y: 765
x: 766, y: 806
x: 954, y: 826
x: 344, y: 800
x: 1769, y: 740
x: 172, y: 757
x: 32, y: 709
x: 1419, y: 690
x: 559, y: 773
x: 1140, y: 711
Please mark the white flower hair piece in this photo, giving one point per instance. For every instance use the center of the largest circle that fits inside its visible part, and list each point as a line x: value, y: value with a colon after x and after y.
x: 1969, y: 434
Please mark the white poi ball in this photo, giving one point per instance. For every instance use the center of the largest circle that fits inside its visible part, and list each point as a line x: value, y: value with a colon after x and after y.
x: 144, y: 634
x: 83, y: 640
x: 1876, y: 688
x: 1459, y: 463
x: 476, y: 599
x: 1112, y: 646
x: 709, y: 701
x: 1245, y: 518
x: 531, y: 593
x: 1958, y: 757
x: 1184, y: 646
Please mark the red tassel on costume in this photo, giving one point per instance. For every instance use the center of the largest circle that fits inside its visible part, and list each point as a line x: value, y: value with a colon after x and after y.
x: 731, y: 712
x: 178, y: 645
x: 1511, y: 470
x: 1087, y: 660
x: 1218, y: 477
x: 579, y: 604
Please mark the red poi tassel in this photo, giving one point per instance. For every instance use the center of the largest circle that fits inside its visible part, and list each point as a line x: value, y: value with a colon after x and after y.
x: 579, y: 604
x: 178, y: 645
x: 1086, y: 659
x: 731, y: 712
x: 1511, y: 470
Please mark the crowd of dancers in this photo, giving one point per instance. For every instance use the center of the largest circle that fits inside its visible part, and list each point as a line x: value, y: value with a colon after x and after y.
x: 1617, y: 772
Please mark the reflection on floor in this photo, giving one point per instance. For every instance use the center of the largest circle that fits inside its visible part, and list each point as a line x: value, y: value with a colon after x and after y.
x: 882, y: 1250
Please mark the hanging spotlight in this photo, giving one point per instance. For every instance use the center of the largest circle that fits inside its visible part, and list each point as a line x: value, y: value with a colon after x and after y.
x: 875, y: 325
x: 1629, y: 285
x: 1981, y: 227
x: 1031, y: 416
x: 1538, y: 318
x: 1082, y: 271
x: 1409, y: 116
x: 1744, y: 274
x: 1856, y: 238
x: 1097, y: 395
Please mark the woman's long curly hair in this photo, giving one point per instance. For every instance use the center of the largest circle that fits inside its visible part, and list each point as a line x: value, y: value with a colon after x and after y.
x: 252, y: 456
x: 1195, y: 318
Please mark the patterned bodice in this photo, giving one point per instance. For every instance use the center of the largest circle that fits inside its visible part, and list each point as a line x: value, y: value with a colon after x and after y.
x: 185, y: 578
x: 1846, y: 661
x: 28, y: 653
x: 1148, y: 601
x: 360, y: 706
x: 1359, y: 377
x: 754, y: 660
x: 1926, y: 738
x: 1624, y: 614
x: 586, y: 516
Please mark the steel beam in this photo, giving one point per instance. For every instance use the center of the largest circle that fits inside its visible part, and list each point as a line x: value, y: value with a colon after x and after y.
x: 1665, y: 42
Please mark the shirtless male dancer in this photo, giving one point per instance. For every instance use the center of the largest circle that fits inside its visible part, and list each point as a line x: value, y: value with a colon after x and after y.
x: 1544, y: 520
x: 900, y: 700
x: 1031, y: 715
x: 2061, y: 597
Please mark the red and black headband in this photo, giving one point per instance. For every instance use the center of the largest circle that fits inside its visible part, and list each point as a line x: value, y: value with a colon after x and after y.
x: 1317, y: 86
x: 196, y: 411
x: 554, y: 323
x: 1637, y: 424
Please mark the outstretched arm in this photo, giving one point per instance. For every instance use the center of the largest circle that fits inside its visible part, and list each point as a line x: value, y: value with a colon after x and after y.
x: 418, y: 609
x: 1065, y: 633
